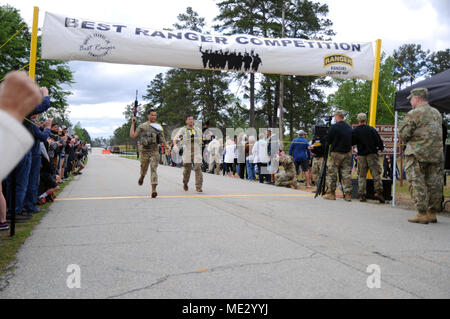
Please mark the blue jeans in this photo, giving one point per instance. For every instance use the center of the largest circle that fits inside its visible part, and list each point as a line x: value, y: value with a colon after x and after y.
x: 22, y: 178
x: 33, y: 183
x: 250, y: 170
x: 263, y: 172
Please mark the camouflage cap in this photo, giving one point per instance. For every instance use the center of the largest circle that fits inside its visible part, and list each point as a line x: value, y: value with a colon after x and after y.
x: 362, y: 117
x: 301, y: 132
x: 422, y: 92
x: 340, y: 113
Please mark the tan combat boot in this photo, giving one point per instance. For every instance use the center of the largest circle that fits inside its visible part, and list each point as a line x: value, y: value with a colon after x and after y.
x: 380, y: 197
x: 199, y: 190
x: 330, y: 196
x: 431, y: 215
x: 293, y: 184
x: 421, y: 218
x: 141, y: 180
x: 185, y: 187
x: 154, y: 193
x: 362, y: 198
x: 348, y: 197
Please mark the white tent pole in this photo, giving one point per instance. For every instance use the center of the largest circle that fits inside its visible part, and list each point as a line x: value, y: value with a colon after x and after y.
x: 395, y: 159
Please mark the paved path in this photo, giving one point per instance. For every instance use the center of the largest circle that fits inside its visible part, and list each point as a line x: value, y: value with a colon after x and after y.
x: 238, y: 239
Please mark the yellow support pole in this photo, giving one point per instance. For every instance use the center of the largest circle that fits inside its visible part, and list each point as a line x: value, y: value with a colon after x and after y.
x: 374, y: 95
x: 375, y: 83
x: 33, y: 50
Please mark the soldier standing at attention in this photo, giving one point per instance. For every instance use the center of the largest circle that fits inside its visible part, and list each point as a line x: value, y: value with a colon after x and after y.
x: 151, y: 136
x: 421, y: 130
x: 340, y: 139
x: 192, y: 153
x: 369, y: 142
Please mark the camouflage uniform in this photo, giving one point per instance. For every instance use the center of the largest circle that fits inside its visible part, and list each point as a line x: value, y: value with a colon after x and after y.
x: 422, y: 131
x: 339, y: 138
x: 343, y: 162
x: 316, y: 168
x: 192, y: 154
x: 366, y: 162
x: 289, y: 175
x: 150, y: 138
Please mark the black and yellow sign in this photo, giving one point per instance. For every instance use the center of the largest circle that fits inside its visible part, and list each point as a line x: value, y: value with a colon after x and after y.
x: 337, y: 59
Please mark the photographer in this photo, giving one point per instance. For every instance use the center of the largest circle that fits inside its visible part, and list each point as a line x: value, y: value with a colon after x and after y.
x: 369, y: 142
x: 340, y: 140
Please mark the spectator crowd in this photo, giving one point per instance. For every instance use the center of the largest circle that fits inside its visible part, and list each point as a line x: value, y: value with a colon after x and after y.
x: 54, y: 156
x: 258, y: 159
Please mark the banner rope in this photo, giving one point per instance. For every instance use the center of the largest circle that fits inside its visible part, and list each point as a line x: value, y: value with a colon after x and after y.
x: 20, y: 69
x: 388, y: 107
x: 390, y: 56
x: 28, y: 120
x: 15, y: 34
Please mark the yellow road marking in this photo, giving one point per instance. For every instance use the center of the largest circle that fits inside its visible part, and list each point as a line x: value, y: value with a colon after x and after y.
x: 185, y: 196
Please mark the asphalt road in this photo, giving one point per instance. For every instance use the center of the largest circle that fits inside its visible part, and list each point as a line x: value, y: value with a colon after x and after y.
x: 238, y: 239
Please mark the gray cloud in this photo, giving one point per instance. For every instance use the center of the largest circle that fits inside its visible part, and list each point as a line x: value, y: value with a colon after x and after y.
x: 99, y: 127
x: 443, y: 9
x: 101, y: 83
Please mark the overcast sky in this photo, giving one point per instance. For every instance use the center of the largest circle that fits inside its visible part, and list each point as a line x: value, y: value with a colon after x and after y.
x: 101, y: 90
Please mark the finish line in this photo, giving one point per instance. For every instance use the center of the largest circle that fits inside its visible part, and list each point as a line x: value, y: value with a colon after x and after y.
x: 184, y: 196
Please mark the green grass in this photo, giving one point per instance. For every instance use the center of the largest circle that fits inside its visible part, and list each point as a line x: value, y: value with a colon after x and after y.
x: 130, y: 157
x: 9, y: 246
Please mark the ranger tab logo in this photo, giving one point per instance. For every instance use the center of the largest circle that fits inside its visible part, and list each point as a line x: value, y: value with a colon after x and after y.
x: 337, y: 59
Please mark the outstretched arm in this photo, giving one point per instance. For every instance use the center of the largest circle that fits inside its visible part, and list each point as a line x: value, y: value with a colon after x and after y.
x: 133, y: 134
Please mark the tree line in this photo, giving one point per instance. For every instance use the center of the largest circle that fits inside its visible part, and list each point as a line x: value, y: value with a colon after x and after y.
x: 228, y: 99
x: 52, y: 74
x: 408, y: 64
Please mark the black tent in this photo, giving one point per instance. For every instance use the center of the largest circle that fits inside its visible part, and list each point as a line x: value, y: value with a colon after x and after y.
x: 438, y: 93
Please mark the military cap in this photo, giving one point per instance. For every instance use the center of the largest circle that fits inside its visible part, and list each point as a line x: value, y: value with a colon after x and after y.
x: 340, y: 113
x: 362, y: 117
x: 301, y: 132
x: 422, y: 92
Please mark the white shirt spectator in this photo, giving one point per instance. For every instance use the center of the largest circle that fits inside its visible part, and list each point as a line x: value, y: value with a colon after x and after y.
x: 260, y: 152
x: 230, y: 150
x: 15, y: 141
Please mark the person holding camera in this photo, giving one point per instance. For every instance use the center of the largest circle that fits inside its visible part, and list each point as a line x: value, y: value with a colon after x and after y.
x: 151, y: 135
x: 368, y: 142
x: 340, y: 140
x: 192, y: 137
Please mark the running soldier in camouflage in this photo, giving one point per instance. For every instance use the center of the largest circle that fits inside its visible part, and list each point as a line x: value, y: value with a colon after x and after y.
x: 289, y: 177
x: 421, y: 130
x: 151, y: 136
